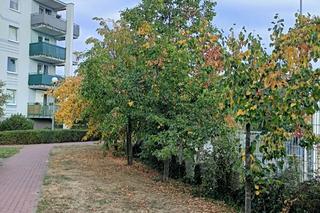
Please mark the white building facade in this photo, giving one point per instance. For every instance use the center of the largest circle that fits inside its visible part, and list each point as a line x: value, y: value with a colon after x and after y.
x: 30, y: 53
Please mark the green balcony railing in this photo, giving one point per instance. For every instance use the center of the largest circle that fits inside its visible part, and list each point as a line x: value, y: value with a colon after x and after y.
x: 36, y: 110
x: 42, y: 79
x: 47, y: 50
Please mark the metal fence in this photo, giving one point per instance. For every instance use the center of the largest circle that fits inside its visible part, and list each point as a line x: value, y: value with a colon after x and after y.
x: 307, y: 161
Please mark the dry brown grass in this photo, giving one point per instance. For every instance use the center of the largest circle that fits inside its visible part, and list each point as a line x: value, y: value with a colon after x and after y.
x: 80, y: 180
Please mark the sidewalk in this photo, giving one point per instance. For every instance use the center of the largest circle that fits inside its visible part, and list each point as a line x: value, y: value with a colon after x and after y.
x: 21, y: 178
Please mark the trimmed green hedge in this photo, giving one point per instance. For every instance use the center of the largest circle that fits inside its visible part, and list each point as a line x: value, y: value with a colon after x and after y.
x: 24, y: 137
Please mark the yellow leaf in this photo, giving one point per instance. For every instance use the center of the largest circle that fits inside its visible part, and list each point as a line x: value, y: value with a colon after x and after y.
x: 257, y: 193
x: 221, y: 106
x: 253, y: 107
x: 241, y: 112
x: 182, y: 42
x: 214, y: 38
x: 294, y: 116
x: 243, y: 156
x: 256, y: 187
x: 144, y: 29
x: 146, y: 45
x: 130, y: 103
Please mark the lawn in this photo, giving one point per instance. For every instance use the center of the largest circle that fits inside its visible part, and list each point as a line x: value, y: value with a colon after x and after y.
x: 80, y: 180
x: 6, y: 152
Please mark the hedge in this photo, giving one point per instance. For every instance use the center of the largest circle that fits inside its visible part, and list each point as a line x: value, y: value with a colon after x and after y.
x: 24, y: 137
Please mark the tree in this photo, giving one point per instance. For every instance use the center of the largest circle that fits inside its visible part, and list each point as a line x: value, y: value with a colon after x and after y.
x: 275, y: 93
x: 177, y: 51
x: 150, y: 74
x: 3, y: 98
x: 71, y: 105
x: 111, y: 84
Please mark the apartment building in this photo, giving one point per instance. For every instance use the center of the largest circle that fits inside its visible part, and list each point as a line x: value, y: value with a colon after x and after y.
x: 36, y: 38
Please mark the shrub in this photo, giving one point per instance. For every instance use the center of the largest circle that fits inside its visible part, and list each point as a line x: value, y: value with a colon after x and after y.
x: 16, y: 122
x: 283, y: 191
x: 283, y: 197
x: 305, y: 197
x: 24, y: 137
x: 221, y: 170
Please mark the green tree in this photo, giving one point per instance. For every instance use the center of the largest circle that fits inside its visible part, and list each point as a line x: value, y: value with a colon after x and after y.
x: 177, y: 53
x: 111, y: 85
x: 3, y: 98
x: 275, y: 93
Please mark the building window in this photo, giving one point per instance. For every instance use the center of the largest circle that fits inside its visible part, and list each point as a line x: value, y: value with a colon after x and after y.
x: 49, y: 12
x: 41, y: 10
x: 12, y: 64
x: 39, y: 69
x: 13, y: 33
x: 43, y: 69
x: 14, y: 4
x: 11, y: 96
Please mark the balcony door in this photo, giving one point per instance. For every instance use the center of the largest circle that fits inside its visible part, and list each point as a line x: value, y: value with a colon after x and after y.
x: 45, y: 100
x: 43, y: 69
x: 39, y: 69
x: 43, y: 10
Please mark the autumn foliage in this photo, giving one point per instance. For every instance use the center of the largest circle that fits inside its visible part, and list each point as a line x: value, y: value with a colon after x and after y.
x: 165, y: 77
x: 70, y: 103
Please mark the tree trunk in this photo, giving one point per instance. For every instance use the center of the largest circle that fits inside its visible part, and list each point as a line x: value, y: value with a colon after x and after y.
x: 129, y: 141
x: 248, y: 180
x: 166, y: 167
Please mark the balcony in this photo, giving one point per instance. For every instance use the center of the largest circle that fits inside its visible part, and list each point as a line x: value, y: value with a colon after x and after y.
x: 36, y: 111
x: 51, y: 25
x: 47, y: 53
x: 56, y: 5
x: 41, y: 81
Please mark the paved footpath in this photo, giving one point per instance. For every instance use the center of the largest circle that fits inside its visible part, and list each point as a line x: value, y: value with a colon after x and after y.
x: 21, y: 178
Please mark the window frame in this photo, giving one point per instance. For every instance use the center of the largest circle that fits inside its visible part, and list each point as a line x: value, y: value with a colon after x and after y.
x: 39, y: 65
x: 15, y: 64
x: 16, y: 33
x: 17, y: 2
x: 12, y: 96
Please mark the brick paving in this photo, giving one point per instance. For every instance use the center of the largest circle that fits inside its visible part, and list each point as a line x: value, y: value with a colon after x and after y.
x: 21, y: 178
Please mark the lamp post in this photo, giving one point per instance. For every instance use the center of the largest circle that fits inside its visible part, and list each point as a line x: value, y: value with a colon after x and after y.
x: 300, y: 7
x: 54, y: 81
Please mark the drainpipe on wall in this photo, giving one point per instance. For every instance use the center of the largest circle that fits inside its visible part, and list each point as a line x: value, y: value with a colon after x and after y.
x: 69, y: 40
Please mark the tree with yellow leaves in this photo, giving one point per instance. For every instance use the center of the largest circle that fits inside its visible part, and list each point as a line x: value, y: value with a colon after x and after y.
x: 71, y: 105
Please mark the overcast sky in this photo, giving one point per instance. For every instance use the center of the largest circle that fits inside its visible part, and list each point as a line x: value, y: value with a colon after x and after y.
x: 256, y: 15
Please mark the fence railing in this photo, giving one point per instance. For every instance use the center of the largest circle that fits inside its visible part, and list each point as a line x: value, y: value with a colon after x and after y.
x: 307, y: 161
x: 42, y: 79
x: 48, y: 50
x: 53, y: 22
x: 36, y: 110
